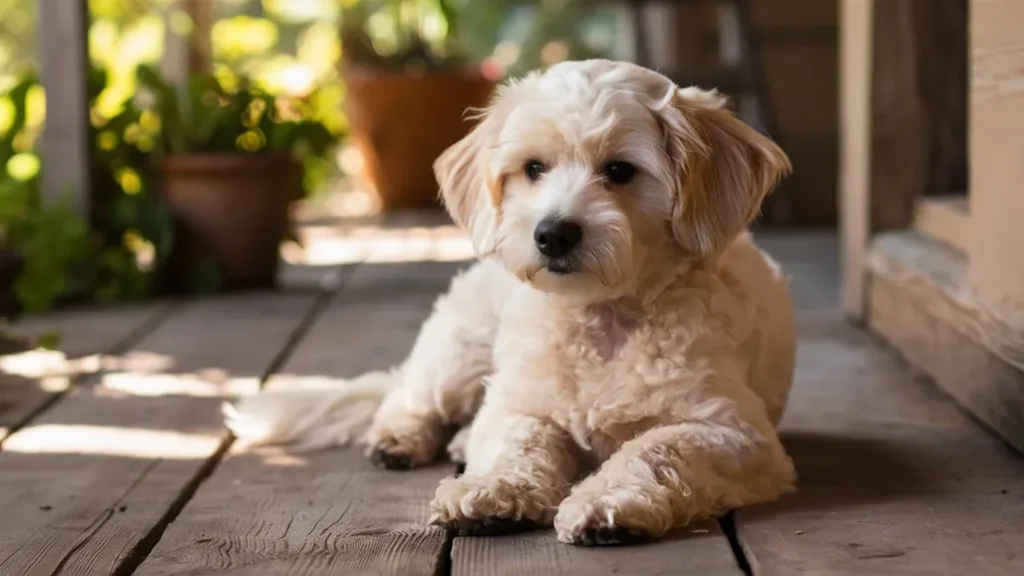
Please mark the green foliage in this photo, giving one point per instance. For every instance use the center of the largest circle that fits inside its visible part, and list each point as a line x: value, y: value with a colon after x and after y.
x: 49, y: 238
x: 394, y: 35
x: 207, y: 118
x: 510, y: 37
x: 17, y: 39
x: 124, y: 254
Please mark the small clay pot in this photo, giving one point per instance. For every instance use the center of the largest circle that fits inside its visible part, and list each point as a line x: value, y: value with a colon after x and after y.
x: 402, y: 122
x: 230, y: 211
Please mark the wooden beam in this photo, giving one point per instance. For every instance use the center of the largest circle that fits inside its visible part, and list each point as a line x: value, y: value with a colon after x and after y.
x: 855, y: 58
x: 64, y: 66
x: 922, y: 304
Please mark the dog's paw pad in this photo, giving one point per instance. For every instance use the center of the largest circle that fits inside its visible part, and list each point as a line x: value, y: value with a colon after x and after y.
x: 388, y: 456
x: 389, y: 461
x: 608, y: 536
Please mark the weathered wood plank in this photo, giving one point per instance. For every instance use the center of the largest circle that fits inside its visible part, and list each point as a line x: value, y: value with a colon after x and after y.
x: 87, y: 331
x: 326, y: 512
x: 894, y: 479
x: 700, y: 549
x: 89, y: 486
x: 30, y: 382
x: 921, y: 303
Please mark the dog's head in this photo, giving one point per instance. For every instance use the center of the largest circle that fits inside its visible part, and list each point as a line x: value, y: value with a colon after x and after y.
x: 581, y: 178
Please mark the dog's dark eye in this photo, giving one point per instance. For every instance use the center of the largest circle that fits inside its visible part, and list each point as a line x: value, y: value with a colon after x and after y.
x: 619, y: 172
x: 533, y: 169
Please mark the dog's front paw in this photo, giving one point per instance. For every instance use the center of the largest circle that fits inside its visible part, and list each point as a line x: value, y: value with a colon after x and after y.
x: 612, y: 518
x: 404, y: 443
x: 487, y: 505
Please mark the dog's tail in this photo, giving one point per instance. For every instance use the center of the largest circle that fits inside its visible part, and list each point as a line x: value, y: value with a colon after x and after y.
x: 310, y: 416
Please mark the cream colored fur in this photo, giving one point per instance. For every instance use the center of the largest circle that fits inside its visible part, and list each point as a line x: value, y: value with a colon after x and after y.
x: 631, y: 396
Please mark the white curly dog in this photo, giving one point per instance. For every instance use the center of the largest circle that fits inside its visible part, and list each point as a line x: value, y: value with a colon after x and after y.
x: 617, y: 361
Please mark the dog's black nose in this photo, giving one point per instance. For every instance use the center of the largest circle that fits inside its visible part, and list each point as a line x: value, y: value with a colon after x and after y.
x: 556, y: 237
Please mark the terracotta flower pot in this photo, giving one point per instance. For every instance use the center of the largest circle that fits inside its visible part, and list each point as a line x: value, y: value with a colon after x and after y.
x: 402, y: 122
x: 231, y: 211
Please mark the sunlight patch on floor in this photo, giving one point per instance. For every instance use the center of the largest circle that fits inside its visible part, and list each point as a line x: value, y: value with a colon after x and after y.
x: 111, y: 441
x: 327, y: 245
x: 212, y: 383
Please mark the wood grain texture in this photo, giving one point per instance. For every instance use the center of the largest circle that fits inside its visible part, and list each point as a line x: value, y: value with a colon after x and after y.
x: 91, y: 483
x: 82, y: 333
x: 700, y: 549
x: 327, y: 512
x: 894, y: 479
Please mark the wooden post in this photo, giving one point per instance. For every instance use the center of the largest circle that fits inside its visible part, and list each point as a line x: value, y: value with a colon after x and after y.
x: 884, y: 137
x: 186, y: 55
x: 64, y: 67
x: 855, y: 56
x: 997, y: 167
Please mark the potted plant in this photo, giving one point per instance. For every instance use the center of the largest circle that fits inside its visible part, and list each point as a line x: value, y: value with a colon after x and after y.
x: 228, y: 164
x: 406, y: 95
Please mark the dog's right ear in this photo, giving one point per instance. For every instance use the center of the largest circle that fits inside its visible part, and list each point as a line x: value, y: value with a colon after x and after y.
x: 472, y: 196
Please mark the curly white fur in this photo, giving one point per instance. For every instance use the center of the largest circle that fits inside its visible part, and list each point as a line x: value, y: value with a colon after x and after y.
x: 629, y: 396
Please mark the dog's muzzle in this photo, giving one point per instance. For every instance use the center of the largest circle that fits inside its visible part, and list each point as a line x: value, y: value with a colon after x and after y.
x: 556, y: 239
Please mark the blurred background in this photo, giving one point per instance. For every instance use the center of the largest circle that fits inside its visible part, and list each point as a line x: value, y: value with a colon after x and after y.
x: 173, y: 122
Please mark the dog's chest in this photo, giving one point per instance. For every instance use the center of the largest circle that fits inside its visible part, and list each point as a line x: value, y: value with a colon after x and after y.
x: 604, y: 352
x: 597, y: 335
x: 604, y: 373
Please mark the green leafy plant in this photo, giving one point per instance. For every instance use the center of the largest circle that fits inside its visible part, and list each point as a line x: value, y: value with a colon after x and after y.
x: 45, y: 239
x: 49, y: 238
x: 207, y: 118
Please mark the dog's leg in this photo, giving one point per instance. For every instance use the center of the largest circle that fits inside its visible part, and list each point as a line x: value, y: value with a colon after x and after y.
x: 518, y: 469
x: 442, y: 379
x: 671, y: 475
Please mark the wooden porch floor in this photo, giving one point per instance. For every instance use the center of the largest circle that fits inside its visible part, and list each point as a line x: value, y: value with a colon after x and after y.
x: 126, y: 469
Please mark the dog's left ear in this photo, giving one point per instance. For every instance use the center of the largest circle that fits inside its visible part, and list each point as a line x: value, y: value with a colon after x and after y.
x: 471, y: 196
x: 724, y: 169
